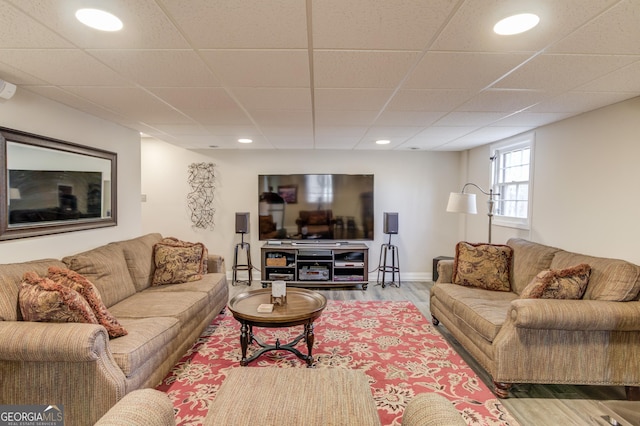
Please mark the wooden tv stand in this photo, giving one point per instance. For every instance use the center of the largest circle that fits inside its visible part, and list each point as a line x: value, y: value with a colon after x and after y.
x: 315, y: 264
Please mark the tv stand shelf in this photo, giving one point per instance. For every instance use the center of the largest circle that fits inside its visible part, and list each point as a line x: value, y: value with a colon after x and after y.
x: 315, y: 264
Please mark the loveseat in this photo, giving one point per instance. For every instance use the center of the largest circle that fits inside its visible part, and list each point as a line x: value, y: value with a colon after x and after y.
x: 77, y: 365
x: 594, y: 340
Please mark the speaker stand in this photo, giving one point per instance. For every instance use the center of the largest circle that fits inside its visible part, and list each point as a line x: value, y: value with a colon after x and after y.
x: 246, y: 248
x: 386, y: 251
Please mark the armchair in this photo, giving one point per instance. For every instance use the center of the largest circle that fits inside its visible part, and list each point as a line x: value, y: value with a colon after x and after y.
x: 316, y: 223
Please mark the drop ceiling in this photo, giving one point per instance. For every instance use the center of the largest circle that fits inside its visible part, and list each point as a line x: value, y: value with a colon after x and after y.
x: 326, y: 74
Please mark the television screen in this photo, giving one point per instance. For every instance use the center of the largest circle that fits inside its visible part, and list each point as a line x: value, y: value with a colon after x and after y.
x: 315, y: 207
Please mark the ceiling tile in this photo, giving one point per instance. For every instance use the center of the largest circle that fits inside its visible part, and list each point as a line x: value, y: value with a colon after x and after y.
x: 470, y: 30
x: 358, y: 99
x: 429, y: 100
x: 273, y: 97
x: 616, y: 31
x: 145, y: 24
x: 260, y: 68
x: 625, y: 79
x: 80, y: 104
x: 345, y: 118
x: 159, y: 68
x: 487, y: 135
x: 408, y: 118
x: 462, y: 70
x: 272, y: 117
x: 228, y: 116
x: 134, y: 103
x: 503, y: 100
x: 193, y: 98
x: 577, y: 102
x: 336, y: 142
x: 361, y: 69
x: 470, y: 118
x: 17, y: 76
x: 241, y: 24
x: 562, y: 72
x: 18, y: 30
x: 435, y: 136
x: 52, y: 66
x: 531, y: 119
x: 357, y: 24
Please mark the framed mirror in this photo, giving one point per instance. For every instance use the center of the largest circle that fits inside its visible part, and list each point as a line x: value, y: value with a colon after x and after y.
x: 50, y: 186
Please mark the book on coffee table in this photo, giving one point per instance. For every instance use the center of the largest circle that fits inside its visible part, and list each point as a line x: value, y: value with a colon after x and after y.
x: 265, y: 307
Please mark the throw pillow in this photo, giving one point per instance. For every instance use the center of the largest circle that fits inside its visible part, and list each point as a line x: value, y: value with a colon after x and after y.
x: 178, y: 261
x: 569, y: 283
x: 77, y: 282
x: 486, y: 266
x: 43, y: 300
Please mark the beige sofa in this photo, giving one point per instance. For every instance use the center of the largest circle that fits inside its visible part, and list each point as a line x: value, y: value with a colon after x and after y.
x: 77, y: 365
x: 592, y: 341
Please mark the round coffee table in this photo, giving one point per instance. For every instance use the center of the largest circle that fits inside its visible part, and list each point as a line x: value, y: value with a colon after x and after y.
x: 302, y: 308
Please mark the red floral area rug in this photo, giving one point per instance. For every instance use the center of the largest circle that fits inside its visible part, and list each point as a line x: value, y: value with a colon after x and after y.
x: 392, y: 342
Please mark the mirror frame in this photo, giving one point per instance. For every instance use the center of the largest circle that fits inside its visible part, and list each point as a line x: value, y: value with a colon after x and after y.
x: 39, y: 228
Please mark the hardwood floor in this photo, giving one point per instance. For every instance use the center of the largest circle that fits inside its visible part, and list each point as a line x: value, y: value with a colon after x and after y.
x: 529, y: 404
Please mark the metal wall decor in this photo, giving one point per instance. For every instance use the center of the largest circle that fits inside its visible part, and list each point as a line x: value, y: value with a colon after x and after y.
x: 202, y: 181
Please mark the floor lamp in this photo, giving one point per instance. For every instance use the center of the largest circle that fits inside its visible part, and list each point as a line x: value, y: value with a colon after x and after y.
x: 461, y: 202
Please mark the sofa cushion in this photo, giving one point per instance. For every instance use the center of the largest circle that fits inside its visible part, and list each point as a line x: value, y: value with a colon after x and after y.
x: 486, y: 266
x: 10, y: 279
x: 147, y: 336
x: 88, y: 291
x: 178, y: 261
x: 529, y: 259
x: 107, y: 269
x: 569, y: 283
x: 611, y: 279
x: 138, y: 253
x: 483, y: 311
x: 44, y: 300
x: 150, y: 304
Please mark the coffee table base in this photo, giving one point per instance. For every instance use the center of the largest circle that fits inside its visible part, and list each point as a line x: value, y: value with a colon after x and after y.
x: 247, y: 337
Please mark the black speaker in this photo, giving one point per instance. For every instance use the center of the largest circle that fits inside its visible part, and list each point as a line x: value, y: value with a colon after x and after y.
x: 242, y: 223
x: 390, y: 223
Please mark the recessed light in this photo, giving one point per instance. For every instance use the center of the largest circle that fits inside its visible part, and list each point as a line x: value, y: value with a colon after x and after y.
x: 516, y: 24
x: 213, y: 146
x: 99, y: 19
x: 383, y: 142
x: 245, y: 140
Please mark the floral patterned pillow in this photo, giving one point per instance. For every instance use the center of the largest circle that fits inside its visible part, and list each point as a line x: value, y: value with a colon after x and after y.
x: 486, y: 266
x: 79, y: 283
x: 44, y: 300
x: 570, y: 283
x: 178, y: 261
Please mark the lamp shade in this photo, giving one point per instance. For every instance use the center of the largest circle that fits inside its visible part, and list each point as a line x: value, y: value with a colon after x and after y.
x: 462, y: 203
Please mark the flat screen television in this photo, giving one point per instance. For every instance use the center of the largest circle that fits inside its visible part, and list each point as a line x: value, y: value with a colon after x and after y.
x: 315, y: 207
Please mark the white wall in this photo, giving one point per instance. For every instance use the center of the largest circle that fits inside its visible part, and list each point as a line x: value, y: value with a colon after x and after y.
x: 585, y: 184
x: 34, y: 114
x: 410, y: 183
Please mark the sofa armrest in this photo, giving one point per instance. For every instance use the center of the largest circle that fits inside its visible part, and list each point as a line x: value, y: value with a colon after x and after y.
x: 143, y: 407
x: 41, y: 341
x: 66, y: 362
x: 575, y: 315
x: 431, y: 409
x: 215, y: 264
x: 445, y: 271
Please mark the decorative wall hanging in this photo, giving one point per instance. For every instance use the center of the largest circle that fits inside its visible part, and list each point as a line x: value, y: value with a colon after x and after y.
x: 200, y: 200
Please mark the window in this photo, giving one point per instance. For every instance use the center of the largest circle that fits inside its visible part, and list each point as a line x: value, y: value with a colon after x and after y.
x: 319, y: 189
x: 512, y: 178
